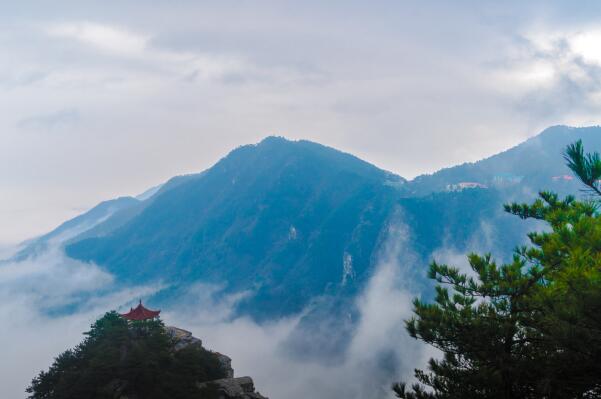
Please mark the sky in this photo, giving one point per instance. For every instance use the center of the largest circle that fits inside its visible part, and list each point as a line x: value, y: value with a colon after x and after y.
x: 104, y: 99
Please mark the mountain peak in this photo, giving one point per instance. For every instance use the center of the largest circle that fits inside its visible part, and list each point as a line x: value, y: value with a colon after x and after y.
x: 279, y: 151
x: 275, y: 140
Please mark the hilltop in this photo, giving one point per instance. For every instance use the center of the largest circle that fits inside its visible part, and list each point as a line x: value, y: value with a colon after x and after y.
x: 140, y: 359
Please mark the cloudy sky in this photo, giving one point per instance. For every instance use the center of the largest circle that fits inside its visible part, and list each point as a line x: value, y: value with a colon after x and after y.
x: 102, y: 99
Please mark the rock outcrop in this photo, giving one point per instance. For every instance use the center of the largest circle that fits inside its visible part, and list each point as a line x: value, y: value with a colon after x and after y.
x: 230, y: 388
x: 224, y: 388
x: 182, y: 337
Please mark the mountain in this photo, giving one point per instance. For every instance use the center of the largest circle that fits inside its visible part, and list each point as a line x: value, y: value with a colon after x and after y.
x: 288, y: 220
x: 293, y: 223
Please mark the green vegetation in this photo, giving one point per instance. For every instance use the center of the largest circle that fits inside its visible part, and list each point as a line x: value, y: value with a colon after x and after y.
x: 530, y: 328
x: 132, y: 359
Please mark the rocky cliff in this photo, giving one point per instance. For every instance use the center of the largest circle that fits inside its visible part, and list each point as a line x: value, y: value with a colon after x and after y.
x: 224, y: 388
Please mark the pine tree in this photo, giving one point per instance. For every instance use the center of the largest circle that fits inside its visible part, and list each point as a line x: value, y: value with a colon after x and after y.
x: 530, y: 328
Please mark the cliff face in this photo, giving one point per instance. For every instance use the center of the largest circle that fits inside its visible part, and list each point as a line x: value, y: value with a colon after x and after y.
x: 224, y: 388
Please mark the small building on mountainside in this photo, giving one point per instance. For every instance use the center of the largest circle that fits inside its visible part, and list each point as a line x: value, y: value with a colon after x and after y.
x: 464, y: 186
x: 562, y: 178
x: 506, y: 179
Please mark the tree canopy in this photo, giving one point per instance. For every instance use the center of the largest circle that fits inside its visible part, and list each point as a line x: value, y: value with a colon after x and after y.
x: 530, y: 328
x: 132, y: 359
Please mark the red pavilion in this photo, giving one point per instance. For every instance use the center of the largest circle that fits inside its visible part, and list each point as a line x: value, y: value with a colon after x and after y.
x: 140, y: 313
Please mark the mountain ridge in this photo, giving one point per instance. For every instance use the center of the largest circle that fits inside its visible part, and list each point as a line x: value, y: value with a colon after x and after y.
x: 270, y: 213
x: 290, y: 221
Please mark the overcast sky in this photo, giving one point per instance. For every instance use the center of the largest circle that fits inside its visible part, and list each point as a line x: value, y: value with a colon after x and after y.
x: 103, y: 99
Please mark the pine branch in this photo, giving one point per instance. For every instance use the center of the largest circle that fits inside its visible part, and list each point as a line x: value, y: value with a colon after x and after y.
x: 586, y: 166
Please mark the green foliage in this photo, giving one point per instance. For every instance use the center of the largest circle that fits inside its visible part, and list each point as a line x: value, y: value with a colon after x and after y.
x: 530, y: 328
x: 133, y: 359
x: 586, y: 166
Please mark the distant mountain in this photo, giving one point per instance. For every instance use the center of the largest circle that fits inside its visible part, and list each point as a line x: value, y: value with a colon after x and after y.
x: 296, y: 223
x: 79, y: 225
x: 536, y: 164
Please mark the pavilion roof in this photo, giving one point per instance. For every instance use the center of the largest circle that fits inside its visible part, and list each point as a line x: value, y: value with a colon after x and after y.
x: 140, y: 313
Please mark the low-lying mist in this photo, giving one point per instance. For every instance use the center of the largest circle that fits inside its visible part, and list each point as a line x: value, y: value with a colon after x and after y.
x: 47, y: 301
x: 379, y: 352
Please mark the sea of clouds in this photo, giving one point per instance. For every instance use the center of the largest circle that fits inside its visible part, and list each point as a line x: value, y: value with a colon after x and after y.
x: 48, y: 300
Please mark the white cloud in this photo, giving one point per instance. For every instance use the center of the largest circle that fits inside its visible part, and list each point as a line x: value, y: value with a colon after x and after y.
x: 104, y: 37
x: 137, y: 47
x: 586, y: 44
x: 524, y: 77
